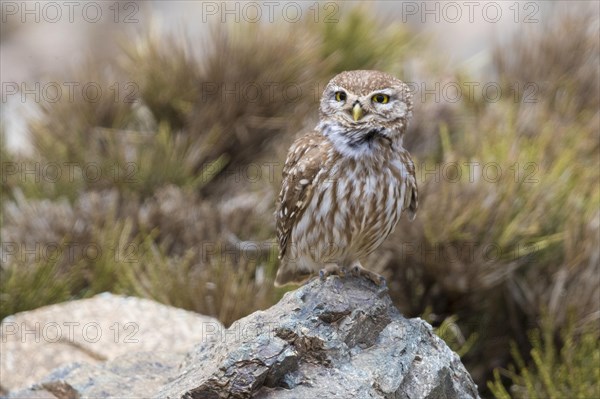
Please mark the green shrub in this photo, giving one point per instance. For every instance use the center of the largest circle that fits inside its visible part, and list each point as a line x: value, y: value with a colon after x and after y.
x: 569, y: 371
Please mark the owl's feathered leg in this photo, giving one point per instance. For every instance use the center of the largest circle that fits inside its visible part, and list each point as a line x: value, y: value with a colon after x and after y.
x: 359, y: 270
x: 331, y: 269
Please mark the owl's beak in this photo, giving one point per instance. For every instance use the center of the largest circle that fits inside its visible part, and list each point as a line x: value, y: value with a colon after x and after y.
x: 357, y: 112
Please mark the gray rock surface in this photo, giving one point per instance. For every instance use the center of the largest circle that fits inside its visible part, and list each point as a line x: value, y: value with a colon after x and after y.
x: 93, y: 331
x: 338, y: 338
x: 137, y: 375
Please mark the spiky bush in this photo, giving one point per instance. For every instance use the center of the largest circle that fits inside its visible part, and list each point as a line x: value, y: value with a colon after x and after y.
x: 570, y: 369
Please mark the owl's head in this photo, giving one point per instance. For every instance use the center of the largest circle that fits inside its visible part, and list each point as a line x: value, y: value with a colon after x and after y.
x: 362, y: 107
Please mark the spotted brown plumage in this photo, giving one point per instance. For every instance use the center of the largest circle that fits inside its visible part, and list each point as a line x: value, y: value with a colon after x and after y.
x: 303, y: 163
x: 346, y: 184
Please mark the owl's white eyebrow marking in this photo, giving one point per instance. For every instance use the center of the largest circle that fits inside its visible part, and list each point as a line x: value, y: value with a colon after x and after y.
x: 335, y: 88
x: 388, y: 92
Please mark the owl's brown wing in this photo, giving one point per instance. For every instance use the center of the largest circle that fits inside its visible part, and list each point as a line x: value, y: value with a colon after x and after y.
x: 304, y: 161
x: 411, y: 199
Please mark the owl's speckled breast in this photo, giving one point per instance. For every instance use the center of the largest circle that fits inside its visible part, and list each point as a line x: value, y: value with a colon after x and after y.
x: 355, y: 207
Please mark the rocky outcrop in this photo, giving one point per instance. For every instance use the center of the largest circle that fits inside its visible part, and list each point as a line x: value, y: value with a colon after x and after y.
x: 93, y: 331
x: 338, y: 338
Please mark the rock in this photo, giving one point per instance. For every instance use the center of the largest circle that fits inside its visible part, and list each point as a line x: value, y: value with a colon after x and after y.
x: 338, y: 338
x: 143, y: 373
x: 92, y: 331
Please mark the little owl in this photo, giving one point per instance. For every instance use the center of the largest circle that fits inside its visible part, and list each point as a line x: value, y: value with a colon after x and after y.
x: 346, y: 183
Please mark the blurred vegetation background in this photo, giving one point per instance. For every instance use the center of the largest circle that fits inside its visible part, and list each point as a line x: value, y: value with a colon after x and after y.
x: 506, y: 266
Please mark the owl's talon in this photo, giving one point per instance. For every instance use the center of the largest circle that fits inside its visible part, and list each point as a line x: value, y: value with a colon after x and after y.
x: 383, y: 288
x: 329, y: 270
x: 382, y: 291
x: 378, y: 280
x: 322, y: 275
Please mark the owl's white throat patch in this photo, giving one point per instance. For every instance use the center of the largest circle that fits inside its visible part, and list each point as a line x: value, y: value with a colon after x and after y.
x: 356, y: 144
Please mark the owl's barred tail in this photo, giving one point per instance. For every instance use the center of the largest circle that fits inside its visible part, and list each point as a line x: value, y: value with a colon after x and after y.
x: 414, y: 204
x: 412, y: 213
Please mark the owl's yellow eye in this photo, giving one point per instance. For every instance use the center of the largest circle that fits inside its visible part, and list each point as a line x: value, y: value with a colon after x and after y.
x: 380, y: 98
x: 340, y: 96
